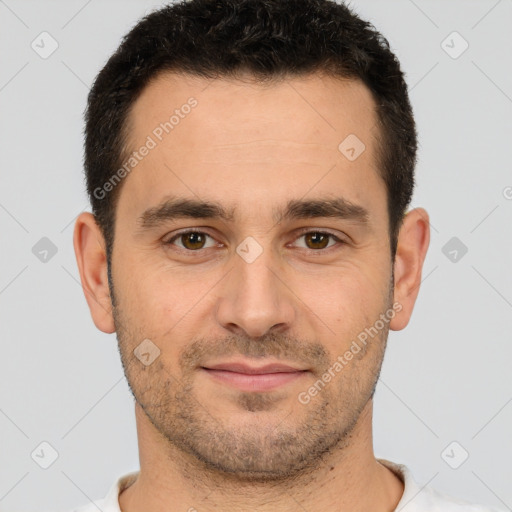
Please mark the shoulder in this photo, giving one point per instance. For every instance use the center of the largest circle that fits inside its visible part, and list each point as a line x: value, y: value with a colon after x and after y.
x: 441, y: 502
x: 424, y: 498
x: 110, y: 503
x: 95, y: 506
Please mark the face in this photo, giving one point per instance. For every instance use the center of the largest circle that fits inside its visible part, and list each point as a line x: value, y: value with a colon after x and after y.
x: 253, y: 301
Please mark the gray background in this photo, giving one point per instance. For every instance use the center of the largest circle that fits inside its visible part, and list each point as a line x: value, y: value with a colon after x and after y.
x: 446, y: 377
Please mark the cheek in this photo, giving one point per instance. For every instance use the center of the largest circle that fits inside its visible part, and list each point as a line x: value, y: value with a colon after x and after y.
x: 163, y: 302
x: 142, y: 295
x: 344, y: 303
x: 143, y: 281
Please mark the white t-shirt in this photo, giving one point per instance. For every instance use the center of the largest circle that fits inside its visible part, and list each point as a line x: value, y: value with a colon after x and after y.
x: 414, y: 499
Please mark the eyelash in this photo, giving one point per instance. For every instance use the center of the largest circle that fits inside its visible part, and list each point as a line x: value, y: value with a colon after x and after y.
x: 301, y: 234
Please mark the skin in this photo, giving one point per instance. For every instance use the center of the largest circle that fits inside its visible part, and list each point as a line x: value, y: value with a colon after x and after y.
x: 205, y: 444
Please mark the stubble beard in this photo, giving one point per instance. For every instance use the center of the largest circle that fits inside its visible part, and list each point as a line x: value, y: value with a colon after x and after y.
x: 282, y: 446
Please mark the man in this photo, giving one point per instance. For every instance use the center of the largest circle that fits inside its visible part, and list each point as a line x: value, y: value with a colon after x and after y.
x: 250, y: 164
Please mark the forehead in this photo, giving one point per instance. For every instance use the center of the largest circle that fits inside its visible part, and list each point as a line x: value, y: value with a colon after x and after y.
x: 317, y: 109
x: 237, y: 139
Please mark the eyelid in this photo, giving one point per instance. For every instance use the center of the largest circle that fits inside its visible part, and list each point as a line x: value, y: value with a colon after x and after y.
x: 320, y: 231
x: 298, y: 234
x: 186, y: 231
x: 312, y: 229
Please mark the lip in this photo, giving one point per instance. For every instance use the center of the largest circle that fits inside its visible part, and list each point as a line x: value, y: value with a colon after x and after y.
x: 240, y: 367
x: 254, y: 378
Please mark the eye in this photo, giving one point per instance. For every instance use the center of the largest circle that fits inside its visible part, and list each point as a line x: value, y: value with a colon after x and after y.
x: 317, y: 240
x: 191, y: 240
x: 194, y: 240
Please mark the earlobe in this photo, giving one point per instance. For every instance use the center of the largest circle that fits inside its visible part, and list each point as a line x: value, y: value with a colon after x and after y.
x: 413, y: 242
x: 91, y: 258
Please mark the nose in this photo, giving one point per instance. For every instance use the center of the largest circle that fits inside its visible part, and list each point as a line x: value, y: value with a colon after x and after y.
x: 255, y: 298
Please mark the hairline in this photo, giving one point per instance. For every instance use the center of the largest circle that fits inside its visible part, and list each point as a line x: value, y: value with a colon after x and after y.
x: 261, y: 79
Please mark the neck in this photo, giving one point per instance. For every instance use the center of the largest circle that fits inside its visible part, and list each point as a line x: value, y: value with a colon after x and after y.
x: 347, y: 479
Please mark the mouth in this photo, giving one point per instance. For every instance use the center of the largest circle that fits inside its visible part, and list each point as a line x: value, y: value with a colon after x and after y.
x: 248, y: 377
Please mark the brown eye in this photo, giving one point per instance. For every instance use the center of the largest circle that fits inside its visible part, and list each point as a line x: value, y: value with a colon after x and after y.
x: 191, y: 240
x: 316, y: 240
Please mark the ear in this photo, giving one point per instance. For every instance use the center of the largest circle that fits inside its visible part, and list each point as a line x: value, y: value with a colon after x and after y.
x: 413, y: 241
x: 91, y: 258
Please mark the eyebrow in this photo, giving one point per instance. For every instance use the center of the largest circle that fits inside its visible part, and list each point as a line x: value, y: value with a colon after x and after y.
x: 180, y: 208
